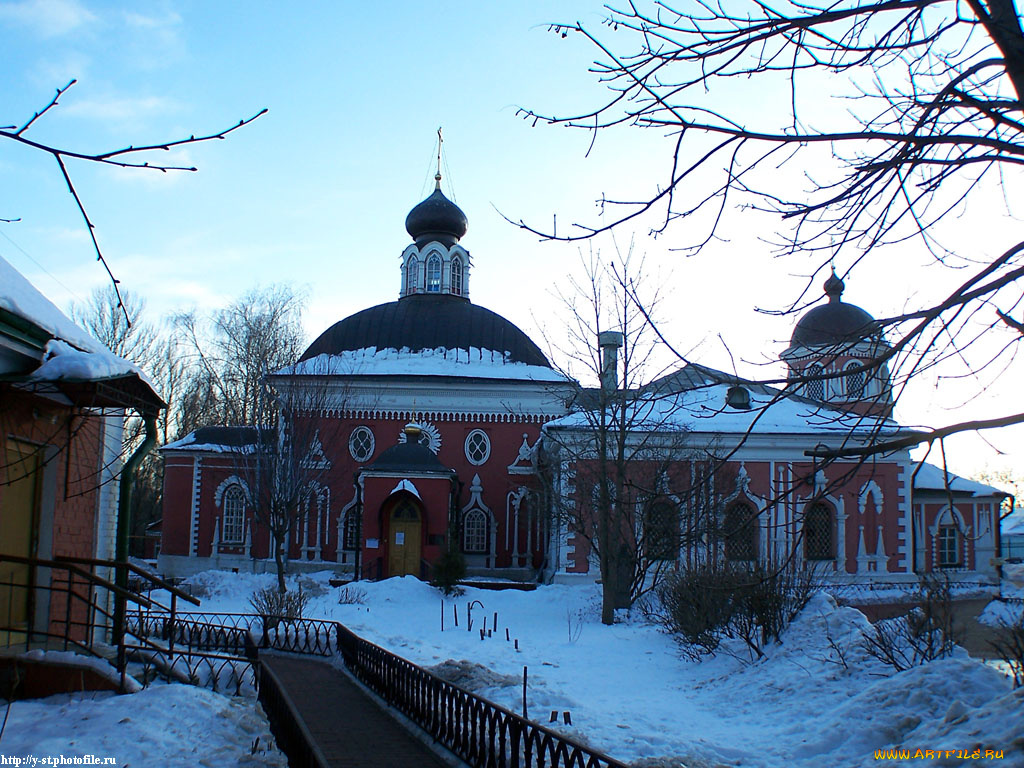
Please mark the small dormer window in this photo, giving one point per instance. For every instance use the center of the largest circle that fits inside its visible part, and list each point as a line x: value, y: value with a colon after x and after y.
x: 434, y: 274
x: 456, y: 277
x: 412, y: 275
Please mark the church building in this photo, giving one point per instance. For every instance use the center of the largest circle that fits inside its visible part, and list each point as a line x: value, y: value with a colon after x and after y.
x: 430, y: 422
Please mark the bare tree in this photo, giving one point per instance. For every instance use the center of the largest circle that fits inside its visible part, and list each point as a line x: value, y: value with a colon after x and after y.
x: 619, y: 450
x: 932, y: 122
x: 132, y: 156
x: 285, y: 467
x: 232, y: 351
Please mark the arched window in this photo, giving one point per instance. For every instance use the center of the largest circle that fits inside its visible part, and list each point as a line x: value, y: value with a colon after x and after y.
x: 661, y: 530
x: 412, y: 275
x: 739, y: 532
x: 854, y: 381
x: 434, y: 274
x: 474, y: 532
x: 456, y: 276
x: 815, y: 390
x: 819, y: 532
x: 233, y: 518
x: 948, y: 546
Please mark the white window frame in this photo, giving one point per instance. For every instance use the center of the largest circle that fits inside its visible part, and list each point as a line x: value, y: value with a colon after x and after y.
x: 475, y: 532
x: 352, y: 443
x: 486, y: 447
x: 232, y: 519
x: 434, y: 261
x: 455, y: 276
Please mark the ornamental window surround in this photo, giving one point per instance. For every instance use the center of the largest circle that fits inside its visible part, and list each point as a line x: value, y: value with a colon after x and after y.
x: 233, y: 518
x: 739, y: 532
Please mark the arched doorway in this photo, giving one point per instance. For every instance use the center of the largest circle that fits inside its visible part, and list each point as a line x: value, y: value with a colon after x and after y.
x: 405, y: 534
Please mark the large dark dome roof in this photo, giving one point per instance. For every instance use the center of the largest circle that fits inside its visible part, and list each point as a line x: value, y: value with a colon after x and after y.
x: 836, y: 322
x: 437, y: 218
x: 426, y: 321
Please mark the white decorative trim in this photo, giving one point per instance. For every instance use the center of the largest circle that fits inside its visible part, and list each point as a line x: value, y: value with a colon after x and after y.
x: 406, y: 485
x: 870, y: 488
x: 526, y: 460
x: 351, y: 443
x: 218, y: 495
x: 315, y: 457
x: 433, y: 434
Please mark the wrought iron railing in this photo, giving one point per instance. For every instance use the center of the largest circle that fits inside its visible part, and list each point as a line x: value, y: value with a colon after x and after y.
x: 65, y: 604
x: 476, y: 730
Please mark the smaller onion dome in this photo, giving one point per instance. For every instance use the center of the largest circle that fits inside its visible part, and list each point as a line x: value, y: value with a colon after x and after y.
x: 835, y: 323
x: 437, y: 218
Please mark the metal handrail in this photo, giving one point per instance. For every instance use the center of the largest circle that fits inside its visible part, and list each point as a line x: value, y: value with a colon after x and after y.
x: 477, y: 730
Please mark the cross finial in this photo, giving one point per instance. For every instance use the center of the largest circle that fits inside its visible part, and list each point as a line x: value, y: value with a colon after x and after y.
x: 437, y: 176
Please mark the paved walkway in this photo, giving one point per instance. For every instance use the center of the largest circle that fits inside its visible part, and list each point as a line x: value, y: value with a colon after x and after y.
x: 349, y: 728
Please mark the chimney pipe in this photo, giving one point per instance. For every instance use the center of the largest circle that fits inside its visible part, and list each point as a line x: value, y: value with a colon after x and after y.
x: 610, y: 342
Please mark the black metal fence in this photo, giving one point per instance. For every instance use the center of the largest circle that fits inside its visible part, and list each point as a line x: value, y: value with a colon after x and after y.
x: 476, y: 730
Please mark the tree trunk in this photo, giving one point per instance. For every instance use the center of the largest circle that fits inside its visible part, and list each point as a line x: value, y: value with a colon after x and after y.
x: 279, y: 562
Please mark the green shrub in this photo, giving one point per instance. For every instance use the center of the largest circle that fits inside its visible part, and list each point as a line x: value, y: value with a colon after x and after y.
x: 449, y: 570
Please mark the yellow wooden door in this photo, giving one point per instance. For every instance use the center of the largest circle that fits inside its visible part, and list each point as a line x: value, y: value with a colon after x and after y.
x: 405, y: 548
x: 18, y: 525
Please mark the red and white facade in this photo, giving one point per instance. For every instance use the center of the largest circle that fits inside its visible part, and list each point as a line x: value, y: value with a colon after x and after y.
x: 438, y: 413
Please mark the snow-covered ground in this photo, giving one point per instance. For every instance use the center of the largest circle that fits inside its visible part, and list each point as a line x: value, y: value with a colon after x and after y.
x: 632, y: 695
x: 817, y: 698
x: 169, y: 726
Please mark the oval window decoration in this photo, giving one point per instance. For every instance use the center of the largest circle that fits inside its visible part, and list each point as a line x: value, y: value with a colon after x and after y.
x: 360, y: 443
x: 478, y: 447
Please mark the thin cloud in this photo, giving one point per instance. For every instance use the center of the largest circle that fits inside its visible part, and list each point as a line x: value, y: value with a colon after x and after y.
x: 48, y: 18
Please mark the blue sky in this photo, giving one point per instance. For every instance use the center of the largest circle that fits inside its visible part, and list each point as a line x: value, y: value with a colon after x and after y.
x: 316, y: 191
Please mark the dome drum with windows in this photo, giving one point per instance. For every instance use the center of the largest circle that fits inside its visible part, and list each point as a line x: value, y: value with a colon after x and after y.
x: 834, y: 355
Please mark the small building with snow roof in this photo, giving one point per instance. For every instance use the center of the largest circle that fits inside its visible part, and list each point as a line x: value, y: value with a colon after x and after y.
x: 63, y: 397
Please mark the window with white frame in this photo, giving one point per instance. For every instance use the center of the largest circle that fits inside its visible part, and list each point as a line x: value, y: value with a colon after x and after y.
x: 360, y: 443
x: 456, y: 276
x: 815, y: 390
x: 434, y: 274
x: 948, y: 546
x: 478, y: 447
x: 412, y: 275
x: 474, y: 532
x: 233, y: 517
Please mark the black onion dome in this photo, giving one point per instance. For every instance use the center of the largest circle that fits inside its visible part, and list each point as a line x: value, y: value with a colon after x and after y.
x: 408, y: 457
x: 836, y: 322
x: 426, y: 321
x: 437, y: 218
